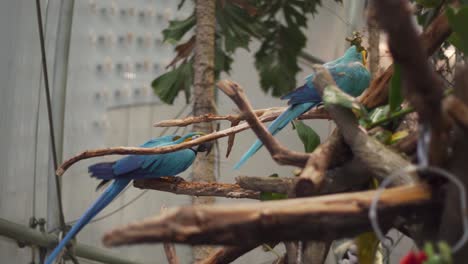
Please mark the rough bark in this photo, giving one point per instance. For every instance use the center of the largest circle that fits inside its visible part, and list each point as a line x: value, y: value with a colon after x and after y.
x: 317, y: 218
x: 204, y: 96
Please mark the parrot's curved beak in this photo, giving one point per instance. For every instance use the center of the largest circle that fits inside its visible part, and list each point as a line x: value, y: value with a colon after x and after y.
x: 205, y: 147
x: 364, y: 57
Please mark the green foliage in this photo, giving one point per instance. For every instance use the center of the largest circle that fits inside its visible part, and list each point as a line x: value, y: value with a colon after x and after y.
x: 308, y: 136
x: 277, y: 24
x: 267, y: 196
x: 395, y: 96
x: 458, y: 19
x: 443, y: 256
x: 178, y: 28
x: 276, y: 60
x: 168, y: 85
x: 333, y: 95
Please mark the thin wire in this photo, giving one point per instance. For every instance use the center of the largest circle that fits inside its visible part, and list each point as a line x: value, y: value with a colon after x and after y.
x: 49, y: 111
x: 423, y: 169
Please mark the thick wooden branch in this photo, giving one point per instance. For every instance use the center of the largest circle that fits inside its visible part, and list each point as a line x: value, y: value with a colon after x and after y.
x: 421, y: 86
x: 325, y: 156
x: 378, y: 159
x: 278, y: 152
x: 178, y: 185
x: 266, y: 184
x: 329, y: 217
x: 431, y: 39
x: 265, y: 115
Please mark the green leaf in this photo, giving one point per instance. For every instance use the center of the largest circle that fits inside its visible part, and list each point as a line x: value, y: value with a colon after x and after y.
x: 383, y: 136
x: 276, y: 60
x: 268, y: 196
x: 308, y: 136
x: 428, y: 3
x: 178, y: 28
x: 378, y: 113
x: 458, y: 19
x: 168, y: 85
x: 222, y: 61
x: 332, y: 95
x: 395, y: 96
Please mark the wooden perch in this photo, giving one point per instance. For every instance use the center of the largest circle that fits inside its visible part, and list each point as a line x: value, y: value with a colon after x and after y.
x: 325, y: 156
x: 265, y: 115
x: 330, y: 216
x: 178, y: 185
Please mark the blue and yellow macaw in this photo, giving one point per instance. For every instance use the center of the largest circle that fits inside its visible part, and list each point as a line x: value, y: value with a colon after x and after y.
x: 349, y: 73
x: 134, y: 167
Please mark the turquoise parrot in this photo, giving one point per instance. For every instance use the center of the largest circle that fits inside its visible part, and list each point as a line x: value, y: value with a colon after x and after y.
x: 349, y: 73
x: 131, y: 167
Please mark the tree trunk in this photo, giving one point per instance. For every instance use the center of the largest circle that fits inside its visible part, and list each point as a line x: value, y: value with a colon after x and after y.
x: 203, y: 92
x: 374, y: 42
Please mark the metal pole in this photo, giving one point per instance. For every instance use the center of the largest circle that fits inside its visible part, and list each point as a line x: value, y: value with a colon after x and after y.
x: 60, y: 72
x: 30, y: 236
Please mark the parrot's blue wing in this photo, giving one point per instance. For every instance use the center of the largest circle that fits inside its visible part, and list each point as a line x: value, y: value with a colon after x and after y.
x: 106, y: 197
x: 122, y: 172
x: 280, y: 122
x: 350, y: 76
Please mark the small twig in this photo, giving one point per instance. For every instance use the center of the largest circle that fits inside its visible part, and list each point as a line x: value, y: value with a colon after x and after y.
x: 265, y: 115
x: 279, y: 153
x: 225, y: 255
x: 178, y: 185
x: 169, y: 248
x: 170, y: 251
x: 329, y: 216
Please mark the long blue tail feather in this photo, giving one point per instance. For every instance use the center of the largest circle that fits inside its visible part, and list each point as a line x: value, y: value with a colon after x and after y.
x: 106, y: 197
x: 287, y: 116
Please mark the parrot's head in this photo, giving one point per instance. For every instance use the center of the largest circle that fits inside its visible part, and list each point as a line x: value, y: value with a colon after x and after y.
x: 203, y: 147
x: 356, y: 54
x: 357, y: 50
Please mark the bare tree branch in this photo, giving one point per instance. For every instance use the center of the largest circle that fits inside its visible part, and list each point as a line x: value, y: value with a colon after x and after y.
x: 171, y: 255
x: 278, y: 152
x: 318, y: 218
x: 177, y: 185
x: 225, y: 255
x: 265, y: 115
x: 148, y: 151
